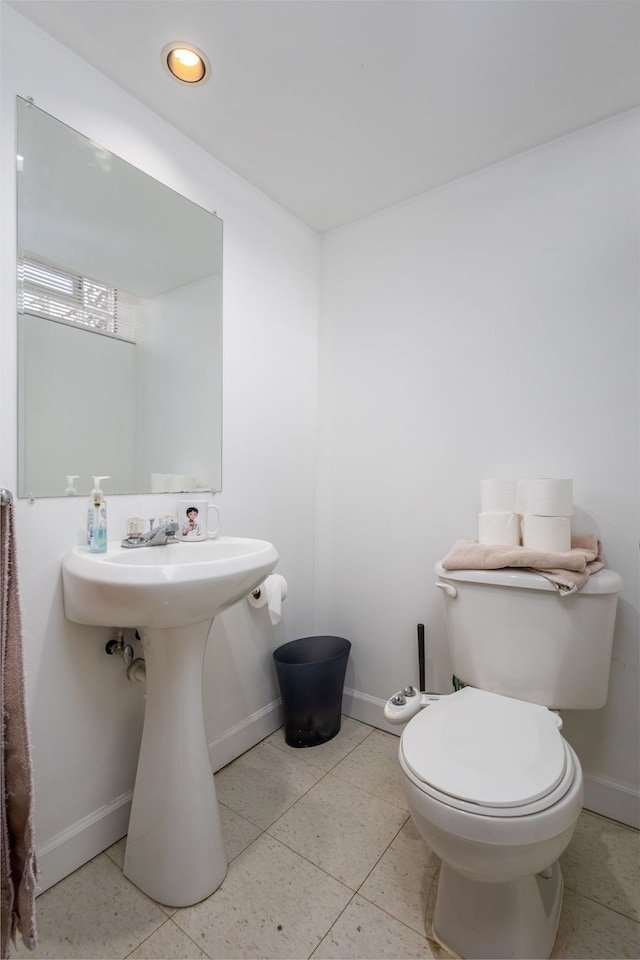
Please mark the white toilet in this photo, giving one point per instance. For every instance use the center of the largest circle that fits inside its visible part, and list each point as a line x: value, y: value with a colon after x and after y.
x: 492, y: 786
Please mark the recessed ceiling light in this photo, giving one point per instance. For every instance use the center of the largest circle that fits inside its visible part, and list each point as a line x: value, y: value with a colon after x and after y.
x: 186, y: 63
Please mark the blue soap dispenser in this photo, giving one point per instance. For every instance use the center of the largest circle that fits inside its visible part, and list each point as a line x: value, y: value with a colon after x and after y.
x: 97, y: 519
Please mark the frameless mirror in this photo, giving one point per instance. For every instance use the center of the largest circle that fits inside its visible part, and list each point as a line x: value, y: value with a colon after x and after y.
x: 119, y: 323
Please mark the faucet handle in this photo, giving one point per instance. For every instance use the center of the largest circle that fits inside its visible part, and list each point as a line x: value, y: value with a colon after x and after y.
x: 170, y: 526
x: 135, y: 528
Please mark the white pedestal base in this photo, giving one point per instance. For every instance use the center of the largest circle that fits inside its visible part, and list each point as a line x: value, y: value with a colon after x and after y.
x: 175, y: 851
x: 517, y: 920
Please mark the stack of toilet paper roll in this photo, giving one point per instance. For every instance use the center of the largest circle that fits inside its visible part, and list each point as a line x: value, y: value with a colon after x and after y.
x: 498, y: 520
x: 546, y: 508
x: 534, y: 513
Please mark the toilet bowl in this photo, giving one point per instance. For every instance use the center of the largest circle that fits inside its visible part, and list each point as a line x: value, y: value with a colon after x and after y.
x: 495, y: 791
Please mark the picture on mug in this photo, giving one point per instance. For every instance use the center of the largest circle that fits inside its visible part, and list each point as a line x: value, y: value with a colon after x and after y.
x: 196, y: 520
x: 191, y: 526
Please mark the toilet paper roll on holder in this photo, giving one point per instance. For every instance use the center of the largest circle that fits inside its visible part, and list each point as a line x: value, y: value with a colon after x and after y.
x: 271, y: 593
x: 261, y: 589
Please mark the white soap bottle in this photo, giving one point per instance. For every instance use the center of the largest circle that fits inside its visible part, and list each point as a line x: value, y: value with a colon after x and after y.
x: 71, y: 490
x: 97, y: 519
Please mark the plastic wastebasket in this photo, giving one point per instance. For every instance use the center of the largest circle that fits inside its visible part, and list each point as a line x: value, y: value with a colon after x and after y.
x: 311, y: 679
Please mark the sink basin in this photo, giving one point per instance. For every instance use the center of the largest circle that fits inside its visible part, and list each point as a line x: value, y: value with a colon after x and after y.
x: 171, y: 594
x: 166, y: 586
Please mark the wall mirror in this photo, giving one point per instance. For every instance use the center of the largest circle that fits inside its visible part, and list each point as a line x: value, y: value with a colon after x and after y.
x: 119, y: 323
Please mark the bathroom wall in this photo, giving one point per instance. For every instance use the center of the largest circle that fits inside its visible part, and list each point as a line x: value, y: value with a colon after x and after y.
x: 85, y: 716
x: 486, y: 329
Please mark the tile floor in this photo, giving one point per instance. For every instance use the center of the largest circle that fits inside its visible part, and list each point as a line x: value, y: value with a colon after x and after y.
x: 324, y: 863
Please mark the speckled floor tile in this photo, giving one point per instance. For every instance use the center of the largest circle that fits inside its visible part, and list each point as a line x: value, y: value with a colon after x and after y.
x: 272, y: 904
x: 340, y: 828
x: 326, y: 755
x: 345, y: 879
x: 116, y: 852
x: 263, y: 783
x: 364, y: 932
x: 589, y: 931
x: 237, y: 832
x: 93, y: 914
x: 373, y: 766
x: 602, y: 862
x: 400, y: 882
x: 168, y: 943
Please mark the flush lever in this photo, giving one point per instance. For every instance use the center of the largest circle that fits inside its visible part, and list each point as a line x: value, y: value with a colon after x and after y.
x: 448, y: 589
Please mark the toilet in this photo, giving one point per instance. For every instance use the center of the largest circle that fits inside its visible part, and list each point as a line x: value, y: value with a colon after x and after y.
x: 492, y: 786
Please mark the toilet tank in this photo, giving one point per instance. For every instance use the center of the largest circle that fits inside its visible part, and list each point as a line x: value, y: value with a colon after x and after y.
x: 511, y: 632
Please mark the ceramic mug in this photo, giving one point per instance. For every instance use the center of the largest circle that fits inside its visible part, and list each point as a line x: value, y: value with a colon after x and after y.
x: 193, y: 520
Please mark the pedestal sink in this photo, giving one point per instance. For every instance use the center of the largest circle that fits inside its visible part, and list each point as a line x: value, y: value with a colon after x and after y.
x: 171, y: 594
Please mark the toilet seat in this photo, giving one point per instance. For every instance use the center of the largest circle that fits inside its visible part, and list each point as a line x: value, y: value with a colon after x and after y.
x: 488, y: 754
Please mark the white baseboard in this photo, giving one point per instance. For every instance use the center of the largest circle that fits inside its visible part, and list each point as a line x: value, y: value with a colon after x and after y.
x: 605, y: 796
x: 82, y: 841
x: 612, y: 799
x: 244, y: 735
x: 360, y: 706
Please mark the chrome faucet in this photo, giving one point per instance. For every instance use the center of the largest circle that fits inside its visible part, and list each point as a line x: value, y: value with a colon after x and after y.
x: 155, y: 536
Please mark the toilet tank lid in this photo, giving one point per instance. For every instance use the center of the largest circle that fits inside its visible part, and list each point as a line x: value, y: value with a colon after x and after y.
x: 604, y: 581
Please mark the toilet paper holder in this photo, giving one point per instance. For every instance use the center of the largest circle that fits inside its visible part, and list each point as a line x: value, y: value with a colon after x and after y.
x: 262, y: 588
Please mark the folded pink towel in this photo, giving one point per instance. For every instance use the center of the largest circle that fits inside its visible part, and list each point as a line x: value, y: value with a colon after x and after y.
x: 567, y: 581
x: 568, y: 571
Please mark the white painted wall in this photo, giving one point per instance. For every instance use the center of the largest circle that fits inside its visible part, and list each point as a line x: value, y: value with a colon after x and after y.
x: 85, y: 716
x: 486, y: 329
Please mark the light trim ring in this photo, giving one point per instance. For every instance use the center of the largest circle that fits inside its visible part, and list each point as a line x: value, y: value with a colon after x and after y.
x: 185, y: 63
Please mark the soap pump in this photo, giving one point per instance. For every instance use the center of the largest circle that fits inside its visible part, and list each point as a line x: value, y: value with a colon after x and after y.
x: 71, y: 490
x: 97, y: 519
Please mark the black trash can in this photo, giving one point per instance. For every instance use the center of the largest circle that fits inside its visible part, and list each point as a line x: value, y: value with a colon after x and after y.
x: 311, y: 678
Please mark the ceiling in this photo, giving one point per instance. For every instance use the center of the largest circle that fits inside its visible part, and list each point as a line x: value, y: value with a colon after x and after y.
x: 339, y: 108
